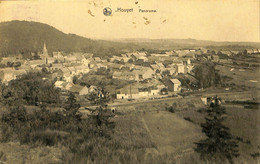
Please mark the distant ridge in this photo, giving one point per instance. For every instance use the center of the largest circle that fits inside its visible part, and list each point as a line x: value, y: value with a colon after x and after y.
x: 25, y: 37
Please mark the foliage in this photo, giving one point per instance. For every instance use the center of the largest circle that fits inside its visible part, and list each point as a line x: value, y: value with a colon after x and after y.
x: 207, y: 75
x: 83, y: 138
x: 170, y: 109
x: 72, y: 107
x: 31, y: 89
x: 106, y: 80
x: 219, y: 144
x: 100, y: 96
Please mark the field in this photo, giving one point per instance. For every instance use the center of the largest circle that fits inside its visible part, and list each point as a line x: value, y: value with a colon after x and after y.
x: 244, y: 125
x: 147, y: 133
x: 156, y: 135
x: 243, y: 78
x: 14, y: 153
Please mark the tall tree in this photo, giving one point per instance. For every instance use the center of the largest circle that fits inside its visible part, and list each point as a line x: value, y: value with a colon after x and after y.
x: 219, y: 146
x: 101, y: 97
x: 72, y: 107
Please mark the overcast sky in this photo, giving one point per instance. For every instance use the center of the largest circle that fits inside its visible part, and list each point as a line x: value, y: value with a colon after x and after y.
x: 219, y: 20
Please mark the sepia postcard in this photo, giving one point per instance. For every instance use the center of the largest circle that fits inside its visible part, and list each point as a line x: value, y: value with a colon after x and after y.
x: 129, y: 81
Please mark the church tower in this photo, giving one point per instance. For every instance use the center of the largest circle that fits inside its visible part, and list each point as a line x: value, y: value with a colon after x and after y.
x: 44, y: 51
x: 45, y: 54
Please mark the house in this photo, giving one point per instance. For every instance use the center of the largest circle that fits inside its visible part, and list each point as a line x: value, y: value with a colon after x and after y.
x: 159, y: 57
x: 190, y: 54
x: 67, y: 77
x: 174, y: 85
x: 84, y: 91
x: 82, y: 59
x: 172, y: 70
x: 177, y: 61
x: 81, y: 69
x: 6, y: 60
x: 180, y: 68
x: 143, y: 58
x: 116, y: 75
x: 189, y: 68
x: 114, y: 66
x: 70, y: 58
x: 170, y: 53
x: 124, y: 75
x: 8, y: 74
x: 127, y: 92
x: 140, y: 90
x: 198, y: 53
x: 59, y: 57
x: 125, y: 58
x: 50, y: 60
x: 80, y: 90
x: 205, y: 100
x: 34, y: 63
x: 210, y: 100
x: 153, y: 59
x: 186, y: 61
x: 161, y: 66
x: 228, y: 53
x: 92, y: 63
x: 58, y: 84
x: 97, y: 59
x: 235, y: 52
x: 128, y: 66
x: 56, y: 66
x: 116, y: 58
x: 250, y: 51
x: 256, y: 51
x: 136, y: 55
x: 226, y: 61
x: 155, y: 67
x: 92, y: 88
x: 142, y: 73
x: 215, y: 58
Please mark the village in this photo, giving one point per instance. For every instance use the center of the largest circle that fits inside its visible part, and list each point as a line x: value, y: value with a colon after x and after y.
x: 143, y: 73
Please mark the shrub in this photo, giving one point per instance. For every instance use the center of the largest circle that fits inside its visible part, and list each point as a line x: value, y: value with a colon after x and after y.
x: 30, y: 89
x: 255, y: 155
x: 188, y: 119
x: 170, y: 109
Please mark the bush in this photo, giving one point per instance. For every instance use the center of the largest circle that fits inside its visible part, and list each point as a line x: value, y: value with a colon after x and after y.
x: 255, y: 155
x: 201, y: 110
x: 31, y: 89
x: 170, y: 109
x: 84, y: 138
x: 188, y: 119
x: 47, y: 137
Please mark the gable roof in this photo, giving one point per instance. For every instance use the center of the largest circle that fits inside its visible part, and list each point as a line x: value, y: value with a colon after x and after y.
x: 175, y: 81
x: 76, y: 88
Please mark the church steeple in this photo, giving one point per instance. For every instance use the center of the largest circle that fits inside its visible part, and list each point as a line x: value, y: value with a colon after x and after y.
x: 45, y: 54
x: 44, y: 51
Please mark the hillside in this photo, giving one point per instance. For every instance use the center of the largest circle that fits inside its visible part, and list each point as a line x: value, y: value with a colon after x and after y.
x: 25, y: 37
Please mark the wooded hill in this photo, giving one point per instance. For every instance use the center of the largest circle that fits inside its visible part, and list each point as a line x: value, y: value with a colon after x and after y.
x: 25, y: 37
